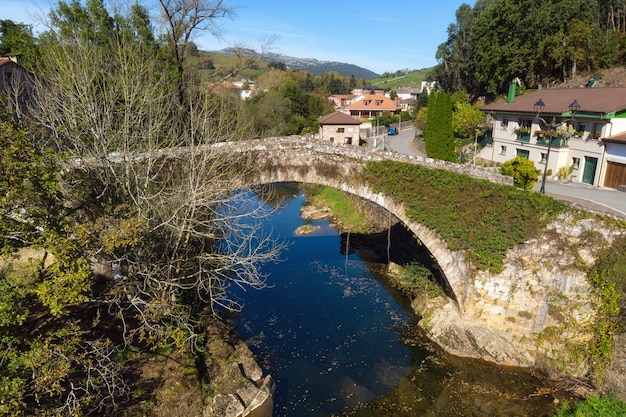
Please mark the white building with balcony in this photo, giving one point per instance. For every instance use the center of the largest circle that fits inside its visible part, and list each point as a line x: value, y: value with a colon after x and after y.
x: 590, y: 143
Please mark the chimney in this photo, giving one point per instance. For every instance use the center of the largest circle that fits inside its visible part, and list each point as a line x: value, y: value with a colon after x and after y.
x: 510, y: 98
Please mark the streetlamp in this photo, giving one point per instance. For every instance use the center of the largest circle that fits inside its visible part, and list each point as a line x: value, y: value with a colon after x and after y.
x: 475, y: 144
x: 539, y: 106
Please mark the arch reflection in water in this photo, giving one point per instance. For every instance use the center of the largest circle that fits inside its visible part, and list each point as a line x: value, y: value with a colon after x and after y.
x: 338, y: 342
x: 327, y: 330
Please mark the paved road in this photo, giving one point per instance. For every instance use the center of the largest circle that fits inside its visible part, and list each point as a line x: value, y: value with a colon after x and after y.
x: 600, y: 199
x: 404, y: 143
x: 604, y: 200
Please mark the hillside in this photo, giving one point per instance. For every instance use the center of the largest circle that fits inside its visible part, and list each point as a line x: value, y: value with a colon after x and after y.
x: 311, y: 65
x: 610, y: 77
x: 412, y: 79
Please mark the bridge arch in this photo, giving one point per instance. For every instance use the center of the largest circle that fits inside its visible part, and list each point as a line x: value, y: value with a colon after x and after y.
x: 302, y: 160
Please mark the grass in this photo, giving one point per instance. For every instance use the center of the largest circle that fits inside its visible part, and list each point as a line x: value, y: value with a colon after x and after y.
x: 609, y: 406
x: 412, y: 79
x: 343, y: 208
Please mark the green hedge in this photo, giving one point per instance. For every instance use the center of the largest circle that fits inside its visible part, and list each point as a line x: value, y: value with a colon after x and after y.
x: 484, y: 218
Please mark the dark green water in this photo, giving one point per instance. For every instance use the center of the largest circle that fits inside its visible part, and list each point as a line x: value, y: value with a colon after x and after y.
x: 339, y: 342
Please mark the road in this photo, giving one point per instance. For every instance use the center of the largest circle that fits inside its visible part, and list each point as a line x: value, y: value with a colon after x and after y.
x: 604, y: 200
x: 600, y: 199
x: 404, y: 143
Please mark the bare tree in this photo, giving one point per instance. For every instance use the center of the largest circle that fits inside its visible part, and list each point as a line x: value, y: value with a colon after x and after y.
x: 182, y: 19
x: 150, y: 187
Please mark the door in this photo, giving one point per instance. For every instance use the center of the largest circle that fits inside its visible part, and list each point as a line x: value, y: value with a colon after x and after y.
x: 589, y: 172
x: 615, y: 175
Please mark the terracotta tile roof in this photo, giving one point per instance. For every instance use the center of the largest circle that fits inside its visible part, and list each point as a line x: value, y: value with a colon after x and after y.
x: 344, y: 96
x: 373, y: 102
x: 338, y: 118
x: 601, y: 100
x: 619, y: 138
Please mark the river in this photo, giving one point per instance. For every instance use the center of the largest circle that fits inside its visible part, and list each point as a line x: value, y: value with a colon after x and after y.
x: 339, y: 340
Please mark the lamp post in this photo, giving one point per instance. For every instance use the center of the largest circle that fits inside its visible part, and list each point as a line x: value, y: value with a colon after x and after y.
x: 539, y: 106
x: 475, y: 144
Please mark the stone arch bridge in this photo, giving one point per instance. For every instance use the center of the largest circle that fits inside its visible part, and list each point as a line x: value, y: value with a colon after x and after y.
x: 496, y: 317
x: 304, y: 160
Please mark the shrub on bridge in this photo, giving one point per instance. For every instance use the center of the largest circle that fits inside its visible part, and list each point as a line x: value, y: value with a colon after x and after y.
x: 478, y: 216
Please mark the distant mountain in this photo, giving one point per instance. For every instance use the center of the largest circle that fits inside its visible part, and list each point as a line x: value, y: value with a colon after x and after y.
x: 311, y: 65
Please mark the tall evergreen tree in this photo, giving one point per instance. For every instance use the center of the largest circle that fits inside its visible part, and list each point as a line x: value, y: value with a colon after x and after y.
x: 439, y: 136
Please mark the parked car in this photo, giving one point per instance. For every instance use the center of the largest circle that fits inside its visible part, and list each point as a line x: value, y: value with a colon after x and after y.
x: 392, y: 131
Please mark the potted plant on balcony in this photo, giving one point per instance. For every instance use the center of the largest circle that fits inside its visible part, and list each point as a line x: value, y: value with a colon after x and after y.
x: 523, y: 130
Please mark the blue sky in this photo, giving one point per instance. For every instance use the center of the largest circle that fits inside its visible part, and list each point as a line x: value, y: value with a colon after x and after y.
x: 377, y: 35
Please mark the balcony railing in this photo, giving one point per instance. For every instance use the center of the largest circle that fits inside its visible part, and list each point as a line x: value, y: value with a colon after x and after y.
x: 557, y: 141
x: 523, y: 137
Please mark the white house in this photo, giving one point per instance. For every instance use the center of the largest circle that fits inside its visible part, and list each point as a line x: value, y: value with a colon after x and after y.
x: 592, y: 142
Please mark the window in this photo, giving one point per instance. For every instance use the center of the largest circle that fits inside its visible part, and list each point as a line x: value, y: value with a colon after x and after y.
x: 502, y: 150
x: 543, y: 158
x: 575, y: 163
x: 525, y: 123
x: 597, y: 131
x: 523, y: 153
x: 340, y: 129
x: 504, y: 123
x: 582, y: 127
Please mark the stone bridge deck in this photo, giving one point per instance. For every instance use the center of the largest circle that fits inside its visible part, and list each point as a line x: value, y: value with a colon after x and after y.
x: 292, y: 148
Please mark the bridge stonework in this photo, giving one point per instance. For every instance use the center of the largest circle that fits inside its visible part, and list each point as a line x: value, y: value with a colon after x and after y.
x: 502, y: 317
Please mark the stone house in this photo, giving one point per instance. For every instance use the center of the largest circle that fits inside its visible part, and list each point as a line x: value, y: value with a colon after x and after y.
x: 591, y: 143
x: 338, y: 127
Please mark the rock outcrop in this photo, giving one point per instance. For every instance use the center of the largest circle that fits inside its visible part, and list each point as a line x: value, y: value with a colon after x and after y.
x: 242, y: 390
x: 538, y: 309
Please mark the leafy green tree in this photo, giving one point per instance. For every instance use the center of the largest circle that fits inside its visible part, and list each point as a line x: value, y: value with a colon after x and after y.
x: 183, y: 19
x: 420, y: 102
x: 522, y: 170
x: 56, y: 369
x: 455, y: 69
x: 438, y: 134
x: 337, y: 86
x: 499, y: 40
x: 277, y: 65
x: 307, y: 83
x: 420, y: 118
x: 466, y: 119
x: 18, y: 39
x: 352, y: 83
